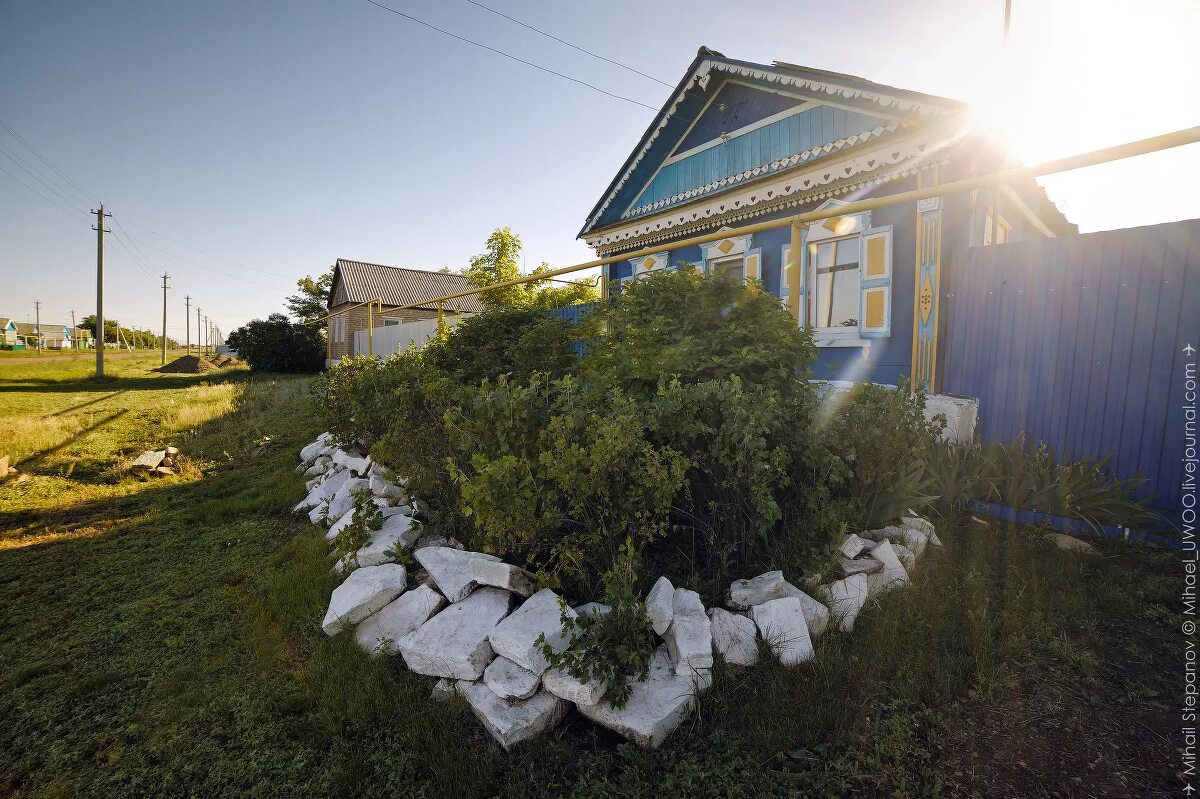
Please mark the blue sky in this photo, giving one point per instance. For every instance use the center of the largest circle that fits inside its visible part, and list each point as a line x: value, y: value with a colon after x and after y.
x: 283, y: 135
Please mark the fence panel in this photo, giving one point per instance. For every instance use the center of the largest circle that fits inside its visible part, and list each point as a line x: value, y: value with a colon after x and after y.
x: 1079, y: 342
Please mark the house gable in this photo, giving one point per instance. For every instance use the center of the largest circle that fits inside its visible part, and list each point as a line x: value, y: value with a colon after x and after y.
x: 733, y: 122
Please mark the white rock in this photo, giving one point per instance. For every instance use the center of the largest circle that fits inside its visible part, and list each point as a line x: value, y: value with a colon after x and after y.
x: 381, y: 549
x: 342, y: 523
x: 513, y: 722
x: 364, y: 592
x: 384, y: 488
x: 916, y: 541
x: 382, y: 631
x: 503, y: 575
x: 656, y: 706
x: 733, y: 637
x: 745, y: 594
x: 454, y: 643
x: 863, y: 565
x: 515, y: 638
x: 312, y: 451
x: 450, y: 568
x: 892, y: 576
x: 398, y: 510
x: 918, y: 523
x: 444, y: 688
x: 845, y: 598
x: 343, y: 500
x: 319, y: 512
x: 563, y: 685
x: 588, y: 608
x: 510, y: 681
x: 1069, y: 543
x: 359, y: 465
x: 853, y: 545
x: 781, y: 624
x: 816, y: 615
x: 319, y: 466
x: 403, y: 526
x: 689, y: 638
x: 907, y: 557
x: 659, y: 605
x: 320, y: 490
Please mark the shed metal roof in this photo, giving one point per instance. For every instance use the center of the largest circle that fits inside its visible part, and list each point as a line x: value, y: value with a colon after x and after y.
x: 398, y: 286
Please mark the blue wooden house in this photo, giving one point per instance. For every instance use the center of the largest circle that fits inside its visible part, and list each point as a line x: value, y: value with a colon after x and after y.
x: 739, y: 142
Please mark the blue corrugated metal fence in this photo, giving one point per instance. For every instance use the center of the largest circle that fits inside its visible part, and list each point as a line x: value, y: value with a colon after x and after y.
x: 1079, y: 342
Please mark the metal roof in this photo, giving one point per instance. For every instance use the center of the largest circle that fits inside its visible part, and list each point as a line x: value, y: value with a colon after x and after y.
x: 398, y: 286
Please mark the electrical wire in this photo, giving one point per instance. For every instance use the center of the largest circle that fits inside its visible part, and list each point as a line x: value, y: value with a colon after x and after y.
x: 445, y: 32
x: 204, y: 266
x: 572, y: 46
x: 24, y: 165
x: 59, y: 206
x: 47, y: 161
x: 204, y: 252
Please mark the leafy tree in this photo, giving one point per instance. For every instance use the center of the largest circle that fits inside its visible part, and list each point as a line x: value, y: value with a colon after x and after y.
x: 313, y: 299
x: 278, y: 345
x: 500, y: 263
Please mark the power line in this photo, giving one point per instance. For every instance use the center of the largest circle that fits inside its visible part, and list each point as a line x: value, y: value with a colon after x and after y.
x: 21, y: 162
x: 204, y: 266
x: 59, y: 206
x: 131, y: 241
x: 47, y: 161
x: 204, y: 252
x: 511, y: 56
x: 572, y: 46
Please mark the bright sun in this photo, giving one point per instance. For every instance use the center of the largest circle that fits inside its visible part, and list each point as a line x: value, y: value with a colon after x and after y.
x: 1079, y: 75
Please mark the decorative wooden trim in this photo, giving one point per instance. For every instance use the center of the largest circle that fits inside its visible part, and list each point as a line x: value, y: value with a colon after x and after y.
x: 703, y: 73
x: 762, y: 195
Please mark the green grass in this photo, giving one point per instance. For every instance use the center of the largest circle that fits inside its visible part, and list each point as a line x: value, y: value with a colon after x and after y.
x: 161, y: 638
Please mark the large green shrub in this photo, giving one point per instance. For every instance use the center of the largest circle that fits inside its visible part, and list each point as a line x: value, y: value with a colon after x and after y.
x: 512, y: 341
x: 277, y: 345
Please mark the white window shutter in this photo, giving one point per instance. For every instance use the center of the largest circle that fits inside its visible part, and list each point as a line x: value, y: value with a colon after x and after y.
x: 875, y: 310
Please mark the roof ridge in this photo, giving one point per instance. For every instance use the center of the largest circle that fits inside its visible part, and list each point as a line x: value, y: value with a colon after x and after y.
x: 402, y: 268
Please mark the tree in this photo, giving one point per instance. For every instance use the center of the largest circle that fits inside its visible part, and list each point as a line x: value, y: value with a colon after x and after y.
x: 313, y: 300
x: 278, y: 345
x: 501, y: 263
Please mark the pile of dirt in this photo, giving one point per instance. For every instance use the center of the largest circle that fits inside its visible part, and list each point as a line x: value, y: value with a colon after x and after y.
x: 187, y: 365
x: 225, y: 360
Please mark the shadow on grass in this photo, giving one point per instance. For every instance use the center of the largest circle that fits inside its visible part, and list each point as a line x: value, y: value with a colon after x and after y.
x: 74, y: 408
x: 37, y: 458
x: 121, y: 384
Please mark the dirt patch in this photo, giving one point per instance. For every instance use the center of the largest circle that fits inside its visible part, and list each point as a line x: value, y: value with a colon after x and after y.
x: 188, y: 365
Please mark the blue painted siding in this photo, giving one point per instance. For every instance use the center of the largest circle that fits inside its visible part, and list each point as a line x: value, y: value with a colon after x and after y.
x: 761, y: 147
x: 1077, y: 342
x: 891, y: 358
x: 746, y: 106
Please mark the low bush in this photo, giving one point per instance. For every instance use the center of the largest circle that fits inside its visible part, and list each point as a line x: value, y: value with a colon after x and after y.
x: 685, y: 441
x: 1029, y: 476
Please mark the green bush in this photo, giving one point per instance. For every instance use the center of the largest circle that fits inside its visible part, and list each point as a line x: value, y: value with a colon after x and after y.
x: 277, y: 345
x: 882, y: 435
x: 512, y: 341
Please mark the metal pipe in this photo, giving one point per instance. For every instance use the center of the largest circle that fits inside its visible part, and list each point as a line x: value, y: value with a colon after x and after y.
x: 1153, y: 144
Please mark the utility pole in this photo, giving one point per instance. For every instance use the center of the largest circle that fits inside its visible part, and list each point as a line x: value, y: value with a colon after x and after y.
x: 206, y: 332
x: 187, y: 321
x: 100, y: 231
x: 198, y: 330
x: 1007, y: 18
x: 73, y: 328
x: 37, y: 325
x: 164, y: 339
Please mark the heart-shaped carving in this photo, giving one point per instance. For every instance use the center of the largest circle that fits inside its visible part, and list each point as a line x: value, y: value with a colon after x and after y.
x: 871, y: 164
x: 722, y: 208
x: 770, y: 194
x: 753, y: 198
x: 895, y: 155
x: 847, y: 170
x: 826, y: 176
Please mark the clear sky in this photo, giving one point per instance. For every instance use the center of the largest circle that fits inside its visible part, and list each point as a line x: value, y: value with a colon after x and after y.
x: 283, y: 134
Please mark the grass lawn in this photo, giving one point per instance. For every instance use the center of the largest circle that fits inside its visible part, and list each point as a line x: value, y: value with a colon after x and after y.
x: 161, y: 638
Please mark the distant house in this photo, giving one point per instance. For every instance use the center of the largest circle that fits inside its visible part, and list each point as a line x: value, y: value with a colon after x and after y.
x: 8, y: 333
x: 27, y: 336
x: 84, y: 339
x: 356, y: 282
x: 739, y: 143
x: 57, y: 337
